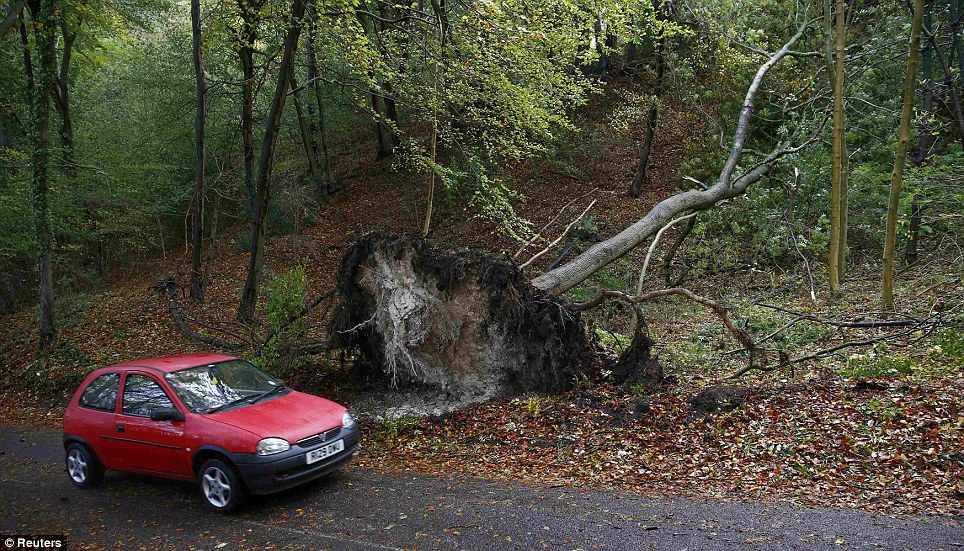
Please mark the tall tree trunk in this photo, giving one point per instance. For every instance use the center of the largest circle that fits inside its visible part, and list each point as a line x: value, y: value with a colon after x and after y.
x: 651, y: 121
x: 955, y: 103
x: 903, y: 138
x: 197, y: 235
x: 383, y: 104
x: 839, y: 134
x: 316, y: 109
x: 383, y: 135
x: 306, y: 137
x: 925, y: 138
x: 247, y: 36
x: 957, y: 13
x: 430, y: 203
x: 41, y: 89
x: 249, y: 295
x: 62, y: 101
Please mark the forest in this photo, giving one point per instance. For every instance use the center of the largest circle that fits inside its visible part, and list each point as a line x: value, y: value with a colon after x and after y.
x: 710, y: 248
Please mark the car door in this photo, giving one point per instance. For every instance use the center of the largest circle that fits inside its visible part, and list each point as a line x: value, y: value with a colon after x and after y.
x: 154, y: 447
x: 95, y: 413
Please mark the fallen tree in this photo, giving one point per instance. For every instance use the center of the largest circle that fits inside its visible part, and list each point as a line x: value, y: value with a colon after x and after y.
x: 465, y: 323
x: 598, y: 256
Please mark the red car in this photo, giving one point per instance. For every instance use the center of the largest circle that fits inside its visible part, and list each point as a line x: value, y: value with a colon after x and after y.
x: 214, y: 419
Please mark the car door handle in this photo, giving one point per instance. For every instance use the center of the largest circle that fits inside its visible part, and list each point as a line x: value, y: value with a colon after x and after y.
x: 119, y: 427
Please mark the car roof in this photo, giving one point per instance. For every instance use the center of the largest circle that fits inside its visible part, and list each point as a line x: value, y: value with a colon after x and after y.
x: 168, y: 364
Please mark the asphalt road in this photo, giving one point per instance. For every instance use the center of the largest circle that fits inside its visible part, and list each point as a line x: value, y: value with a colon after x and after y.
x: 362, y: 510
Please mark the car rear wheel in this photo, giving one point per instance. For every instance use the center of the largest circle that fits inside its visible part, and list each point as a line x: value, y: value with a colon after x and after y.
x: 220, y: 486
x: 83, y: 468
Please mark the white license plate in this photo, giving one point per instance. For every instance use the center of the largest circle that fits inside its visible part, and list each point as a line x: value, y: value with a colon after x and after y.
x: 325, y: 451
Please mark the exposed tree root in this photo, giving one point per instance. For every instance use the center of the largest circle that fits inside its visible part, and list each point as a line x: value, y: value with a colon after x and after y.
x: 464, y: 323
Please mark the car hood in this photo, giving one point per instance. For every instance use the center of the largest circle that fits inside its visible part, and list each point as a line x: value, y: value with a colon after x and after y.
x: 293, y: 416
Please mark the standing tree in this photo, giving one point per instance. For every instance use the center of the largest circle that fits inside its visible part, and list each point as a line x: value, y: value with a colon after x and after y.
x: 41, y: 86
x: 838, y: 219
x: 246, y: 36
x: 249, y: 295
x: 653, y: 117
x: 903, y: 138
x: 197, y: 218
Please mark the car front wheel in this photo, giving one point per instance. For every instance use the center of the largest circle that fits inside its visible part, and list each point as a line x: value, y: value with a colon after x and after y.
x: 220, y: 486
x: 83, y: 468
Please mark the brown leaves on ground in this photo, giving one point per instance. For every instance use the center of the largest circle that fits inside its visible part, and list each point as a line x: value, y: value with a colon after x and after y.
x: 816, y: 443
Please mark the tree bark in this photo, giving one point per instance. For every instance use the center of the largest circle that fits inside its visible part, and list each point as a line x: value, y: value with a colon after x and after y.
x: 574, y: 272
x: 41, y: 89
x: 839, y: 134
x: 247, y: 36
x: 306, y: 137
x: 957, y: 7
x: 249, y: 295
x: 925, y: 138
x: 651, y: 121
x: 903, y: 138
x: 317, y: 120
x: 197, y: 235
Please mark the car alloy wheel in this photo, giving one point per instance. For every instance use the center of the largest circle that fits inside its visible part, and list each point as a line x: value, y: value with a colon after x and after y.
x: 216, y: 487
x: 77, y: 465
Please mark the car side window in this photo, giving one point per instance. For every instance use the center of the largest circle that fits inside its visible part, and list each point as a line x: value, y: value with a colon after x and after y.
x: 101, y: 393
x: 142, y: 396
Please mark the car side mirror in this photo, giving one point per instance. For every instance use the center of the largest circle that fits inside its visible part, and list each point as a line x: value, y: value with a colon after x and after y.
x: 166, y: 414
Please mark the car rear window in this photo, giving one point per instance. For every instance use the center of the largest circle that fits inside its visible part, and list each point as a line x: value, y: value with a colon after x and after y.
x: 101, y: 393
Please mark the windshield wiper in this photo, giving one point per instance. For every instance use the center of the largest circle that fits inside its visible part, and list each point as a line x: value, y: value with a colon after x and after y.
x: 267, y: 393
x: 228, y: 404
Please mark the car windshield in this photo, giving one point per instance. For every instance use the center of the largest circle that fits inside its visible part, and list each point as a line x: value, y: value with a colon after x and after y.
x: 215, y: 386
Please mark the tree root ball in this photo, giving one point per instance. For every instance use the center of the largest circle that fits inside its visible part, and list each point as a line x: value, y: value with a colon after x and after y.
x: 465, y: 323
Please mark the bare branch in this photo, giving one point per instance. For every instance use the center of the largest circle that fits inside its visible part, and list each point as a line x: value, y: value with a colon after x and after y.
x: 558, y: 239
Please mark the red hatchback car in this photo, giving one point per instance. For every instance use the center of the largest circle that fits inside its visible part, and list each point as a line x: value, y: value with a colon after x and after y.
x: 215, y: 419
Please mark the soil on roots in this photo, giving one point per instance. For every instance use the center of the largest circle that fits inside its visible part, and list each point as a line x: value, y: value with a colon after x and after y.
x: 466, y: 324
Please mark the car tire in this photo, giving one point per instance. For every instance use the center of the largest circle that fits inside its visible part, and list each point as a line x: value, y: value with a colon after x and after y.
x: 83, y: 466
x: 221, y: 488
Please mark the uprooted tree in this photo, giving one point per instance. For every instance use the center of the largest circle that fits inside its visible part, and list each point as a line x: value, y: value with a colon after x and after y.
x: 472, y: 324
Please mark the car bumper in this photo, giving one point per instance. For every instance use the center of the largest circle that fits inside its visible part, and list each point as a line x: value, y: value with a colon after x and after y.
x: 279, y: 472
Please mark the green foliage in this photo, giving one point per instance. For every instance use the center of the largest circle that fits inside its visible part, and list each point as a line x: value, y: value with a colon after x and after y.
x: 284, y: 296
x: 951, y: 343
x: 861, y: 367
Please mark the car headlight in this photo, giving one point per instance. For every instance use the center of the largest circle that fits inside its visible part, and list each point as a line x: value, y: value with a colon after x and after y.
x: 347, y: 421
x: 271, y: 446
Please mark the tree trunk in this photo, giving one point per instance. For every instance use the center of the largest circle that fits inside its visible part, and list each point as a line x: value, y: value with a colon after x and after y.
x: 574, y: 272
x: 839, y: 134
x: 427, y: 226
x: 317, y: 120
x: 651, y: 121
x: 897, y: 178
x: 62, y: 101
x: 957, y: 12
x: 306, y: 137
x: 382, y: 133
x: 249, y: 295
x: 925, y: 138
x: 41, y: 90
x: 383, y: 105
x: 955, y: 103
x: 197, y: 235
x: 246, y: 39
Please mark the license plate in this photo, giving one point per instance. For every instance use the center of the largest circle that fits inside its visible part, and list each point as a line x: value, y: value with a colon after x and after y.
x: 325, y: 451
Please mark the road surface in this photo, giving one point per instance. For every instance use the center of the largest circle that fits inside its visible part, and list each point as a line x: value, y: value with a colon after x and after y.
x: 362, y: 510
